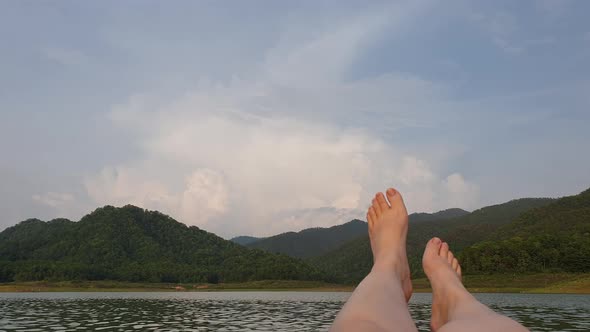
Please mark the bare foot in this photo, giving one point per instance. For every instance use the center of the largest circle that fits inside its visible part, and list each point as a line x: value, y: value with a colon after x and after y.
x: 444, y: 272
x: 388, y: 229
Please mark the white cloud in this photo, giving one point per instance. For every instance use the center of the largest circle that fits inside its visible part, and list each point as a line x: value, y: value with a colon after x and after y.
x: 256, y: 174
x: 462, y: 193
x: 54, y: 199
x: 129, y: 185
x: 308, y: 218
x: 63, y: 205
x: 270, y: 152
x: 205, y: 196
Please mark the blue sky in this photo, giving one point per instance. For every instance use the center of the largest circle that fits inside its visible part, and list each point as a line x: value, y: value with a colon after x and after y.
x: 260, y: 117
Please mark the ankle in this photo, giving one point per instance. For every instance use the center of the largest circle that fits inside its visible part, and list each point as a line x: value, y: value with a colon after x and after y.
x: 383, y: 267
x: 457, y: 299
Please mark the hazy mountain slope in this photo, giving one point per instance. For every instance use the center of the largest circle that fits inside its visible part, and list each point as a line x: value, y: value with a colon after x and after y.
x: 440, y: 215
x: 317, y: 241
x: 244, y: 240
x: 312, y: 241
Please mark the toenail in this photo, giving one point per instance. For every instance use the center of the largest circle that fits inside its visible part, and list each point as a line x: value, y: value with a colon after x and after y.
x: 436, y: 240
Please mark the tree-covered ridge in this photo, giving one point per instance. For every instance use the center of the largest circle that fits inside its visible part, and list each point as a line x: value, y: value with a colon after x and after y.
x: 352, y: 261
x: 313, y: 242
x: 133, y: 244
x: 552, y: 238
x: 473, y: 227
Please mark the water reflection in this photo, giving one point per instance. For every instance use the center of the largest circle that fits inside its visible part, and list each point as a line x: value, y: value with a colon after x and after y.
x: 250, y: 311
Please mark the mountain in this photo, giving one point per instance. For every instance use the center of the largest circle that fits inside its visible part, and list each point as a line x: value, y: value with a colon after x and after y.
x: 313, y: 242
x: 473, y: 227
x: 133, y: 244
x: 566, y: 216
x: 555, y: 237
x: 244, y: 240
x: 353, y: 260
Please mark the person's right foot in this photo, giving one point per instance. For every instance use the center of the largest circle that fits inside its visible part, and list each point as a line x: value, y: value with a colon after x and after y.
x: 388, y: 229
x: 444, y: 272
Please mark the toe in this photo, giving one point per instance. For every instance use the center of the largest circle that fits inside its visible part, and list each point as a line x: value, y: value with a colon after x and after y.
x: 371, y: 215
x: 394, y: 197
x: 450, y: 257
x: 455, y: 264
x: 396, y: 200
x: 444, y: 250
x: 432, y: 247
x: 458, y: 270
x: 376, y: 207
x: 382, y: 202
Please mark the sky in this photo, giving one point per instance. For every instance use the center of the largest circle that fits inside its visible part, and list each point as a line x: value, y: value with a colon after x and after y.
x: 260, y: 117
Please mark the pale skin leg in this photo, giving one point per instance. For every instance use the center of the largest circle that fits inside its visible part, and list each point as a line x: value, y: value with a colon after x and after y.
x: 380, y: 302
x: 453, y: 307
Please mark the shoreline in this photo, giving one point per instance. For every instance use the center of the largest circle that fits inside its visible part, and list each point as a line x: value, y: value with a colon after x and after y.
x: 561, y: 283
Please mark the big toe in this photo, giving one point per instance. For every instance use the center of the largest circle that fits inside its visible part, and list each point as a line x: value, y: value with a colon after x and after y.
x: 395, y: 198
x: 432, y: 250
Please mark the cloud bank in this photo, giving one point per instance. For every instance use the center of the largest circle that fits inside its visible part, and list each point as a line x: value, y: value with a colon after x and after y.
x: 273, y: 151
x: 255, y: 119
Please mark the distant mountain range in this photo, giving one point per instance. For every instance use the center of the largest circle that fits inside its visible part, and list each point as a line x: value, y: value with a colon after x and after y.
x: 133, y: 244
x: 353, y: 260
x: 313, y: 242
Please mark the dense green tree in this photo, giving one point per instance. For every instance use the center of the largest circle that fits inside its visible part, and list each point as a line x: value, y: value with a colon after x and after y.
x: 352, y: 261
x: 133, y: 244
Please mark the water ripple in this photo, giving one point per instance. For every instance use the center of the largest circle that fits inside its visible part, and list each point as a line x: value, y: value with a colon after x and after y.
x: 249, y: 311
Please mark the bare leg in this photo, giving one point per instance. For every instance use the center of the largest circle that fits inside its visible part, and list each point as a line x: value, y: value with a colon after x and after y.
x: 453, y: 307
x: 380, y: 302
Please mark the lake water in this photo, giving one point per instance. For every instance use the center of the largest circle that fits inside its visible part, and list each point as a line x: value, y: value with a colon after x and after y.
x: 250, y: 311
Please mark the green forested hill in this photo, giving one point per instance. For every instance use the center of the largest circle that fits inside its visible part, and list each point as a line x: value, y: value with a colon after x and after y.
x: 352, y: 261
x: 473, y: 227
x: 566, y: 216
x: 133, y: 244
x: 552, y: 238
x: 314, y: 242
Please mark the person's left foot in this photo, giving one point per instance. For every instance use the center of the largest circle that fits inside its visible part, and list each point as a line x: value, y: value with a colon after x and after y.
x: 444, y: 272
x: 388, y: 229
